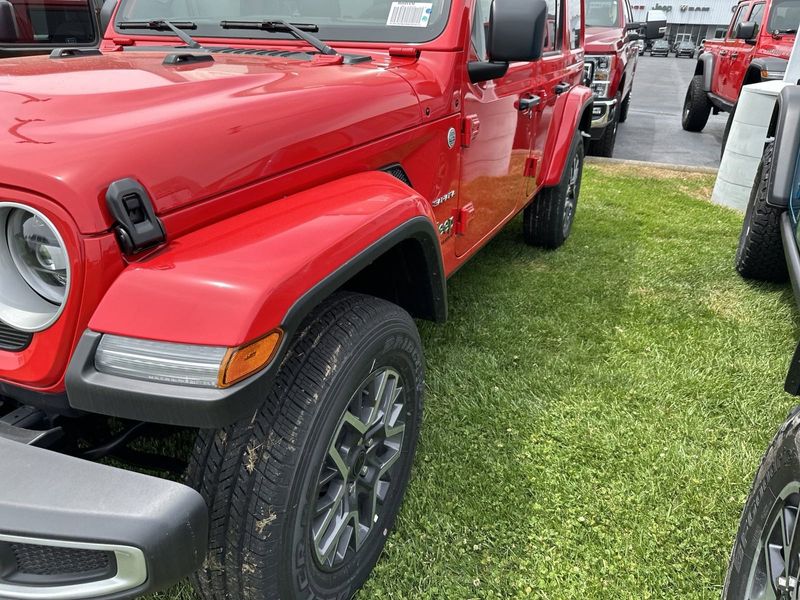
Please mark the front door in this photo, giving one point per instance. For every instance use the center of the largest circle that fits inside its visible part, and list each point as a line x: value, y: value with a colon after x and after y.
x: 493, y: 165
x: 727, y: 86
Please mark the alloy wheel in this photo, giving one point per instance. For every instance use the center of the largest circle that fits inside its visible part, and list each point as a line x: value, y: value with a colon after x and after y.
x: 776, y: 567
x: 355, y: 480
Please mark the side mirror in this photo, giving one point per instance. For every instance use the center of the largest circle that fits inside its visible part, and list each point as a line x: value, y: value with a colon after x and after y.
x: 655, y: 25
x: 745, y: 31
x: 516, y: 34
x: 8, y: 22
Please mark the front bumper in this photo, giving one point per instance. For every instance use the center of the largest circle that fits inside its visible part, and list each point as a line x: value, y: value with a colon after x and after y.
x: 602, y: 115
x: 71, y: 529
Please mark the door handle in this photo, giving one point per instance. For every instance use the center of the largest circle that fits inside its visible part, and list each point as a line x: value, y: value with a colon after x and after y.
x: 734, y: 55
x: 562, y: 87
x: 723, y: 53
x: 525, y: 104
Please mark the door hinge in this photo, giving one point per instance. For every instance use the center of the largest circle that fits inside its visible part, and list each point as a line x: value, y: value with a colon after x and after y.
x: 463, y: 216
x: 136, y: 224
x: 470, y: 128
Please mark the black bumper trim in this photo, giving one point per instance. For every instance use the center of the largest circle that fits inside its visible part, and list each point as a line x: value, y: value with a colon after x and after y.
x: 68, y: 502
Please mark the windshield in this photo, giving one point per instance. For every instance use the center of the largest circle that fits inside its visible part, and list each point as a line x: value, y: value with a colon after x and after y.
x: 661, y: 44
x: 784, y: 15
x: 602, y: 13
x: 50, y: 22
x: 343, y: 20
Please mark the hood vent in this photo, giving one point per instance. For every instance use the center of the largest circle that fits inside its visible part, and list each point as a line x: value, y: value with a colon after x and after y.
x: 256, y: 52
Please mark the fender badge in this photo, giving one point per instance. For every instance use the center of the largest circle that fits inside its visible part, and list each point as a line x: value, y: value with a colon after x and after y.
x: 451, y: 138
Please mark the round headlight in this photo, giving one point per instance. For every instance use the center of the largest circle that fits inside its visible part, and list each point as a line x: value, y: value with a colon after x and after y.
x: 34, y: 269
x: 38, y: 254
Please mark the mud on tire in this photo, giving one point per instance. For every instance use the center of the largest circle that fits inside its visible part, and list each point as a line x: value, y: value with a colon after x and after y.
x: 278, y: 485
x: 760, y: 251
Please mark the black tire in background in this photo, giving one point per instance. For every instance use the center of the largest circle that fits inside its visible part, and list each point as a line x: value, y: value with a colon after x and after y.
x: 696, y: 106
x: 764, y: 559
x: 726, y: 133
x: 336, y: 434
x: 605, y: 145
x: 626, y: 105
x: 547, y: 221
x: 760, y: 251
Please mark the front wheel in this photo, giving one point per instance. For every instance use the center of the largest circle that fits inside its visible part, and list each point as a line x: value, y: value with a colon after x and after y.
x: 547, y: 222
x: 303, y: 495
x: 626, y: 106
x: 760, y: 251
x: 696, y: 106
x: 765, y: 560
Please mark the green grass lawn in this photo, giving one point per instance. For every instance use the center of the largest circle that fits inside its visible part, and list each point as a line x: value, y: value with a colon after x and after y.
x: 595, y: 414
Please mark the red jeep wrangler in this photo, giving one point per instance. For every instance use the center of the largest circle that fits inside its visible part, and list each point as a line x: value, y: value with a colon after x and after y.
x: 611, y: 54
x: 41, y: 26
x: 225, y: 224
x: 756, y: 48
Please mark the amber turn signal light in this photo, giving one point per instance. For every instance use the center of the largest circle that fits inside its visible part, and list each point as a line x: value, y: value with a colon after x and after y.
x: 240, y: 363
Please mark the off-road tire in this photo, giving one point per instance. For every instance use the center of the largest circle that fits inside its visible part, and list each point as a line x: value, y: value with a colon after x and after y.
x: 626, y: 105
x: 696, y: 106
x: 547, y: 221
x: 778, y: 473
x: 760, y: 251
x: 260, y: 477
x: 605, y: 145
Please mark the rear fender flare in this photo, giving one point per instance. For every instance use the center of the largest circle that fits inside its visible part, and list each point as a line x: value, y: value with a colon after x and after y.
x: 576, y: 113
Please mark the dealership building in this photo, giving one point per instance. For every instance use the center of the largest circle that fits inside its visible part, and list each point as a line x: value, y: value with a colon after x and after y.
x: 703, y: 19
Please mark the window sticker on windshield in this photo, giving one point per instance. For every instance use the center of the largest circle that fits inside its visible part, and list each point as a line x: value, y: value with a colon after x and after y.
x: 410, y: 14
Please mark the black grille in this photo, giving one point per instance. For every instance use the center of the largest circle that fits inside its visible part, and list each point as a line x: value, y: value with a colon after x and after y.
x: 398, y: 172
x: 13, y: 340
x: 48, y: 560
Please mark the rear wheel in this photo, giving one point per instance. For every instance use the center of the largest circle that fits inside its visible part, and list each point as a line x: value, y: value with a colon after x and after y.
x: 765, y: 560
x: 696, y: 106
x: 760, y: 251
x: 303, y: 495
x: 547, y: 222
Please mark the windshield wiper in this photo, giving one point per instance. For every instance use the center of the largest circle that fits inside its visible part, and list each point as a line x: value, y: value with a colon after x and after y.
x: 163, y: 25
x: 298, y: 30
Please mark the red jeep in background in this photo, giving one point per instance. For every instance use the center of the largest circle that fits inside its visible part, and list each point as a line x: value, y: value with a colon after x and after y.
x: 611, y: 55
x: 756, y: 48
x: 40, y: 26
x: 223, y: 225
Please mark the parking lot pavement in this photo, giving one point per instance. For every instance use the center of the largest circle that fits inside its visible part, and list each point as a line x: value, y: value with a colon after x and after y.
x: 653, y: 130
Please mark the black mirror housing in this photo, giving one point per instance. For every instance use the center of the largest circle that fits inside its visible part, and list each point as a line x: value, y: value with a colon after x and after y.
x: 8, y: 22
x: 655, y: 25
x: 745, y: 30
x: 516, y: 30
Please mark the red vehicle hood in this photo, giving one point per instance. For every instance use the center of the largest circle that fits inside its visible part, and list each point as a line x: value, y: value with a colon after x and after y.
x: 775, y: 47
x: 70, y: 127
x: 603, y: 40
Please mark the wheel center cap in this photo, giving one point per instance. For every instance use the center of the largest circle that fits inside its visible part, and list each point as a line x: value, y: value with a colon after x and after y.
x: 361, y: 460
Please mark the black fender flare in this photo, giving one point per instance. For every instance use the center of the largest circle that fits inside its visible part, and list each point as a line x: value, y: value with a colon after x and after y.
x: 705, y: 67
x: 765, y: 63
x: 787, y: 146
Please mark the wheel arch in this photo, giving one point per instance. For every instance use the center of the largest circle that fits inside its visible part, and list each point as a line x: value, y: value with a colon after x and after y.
x: 705, y: 67
x: 576, y: 114
x: 785, y: 128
